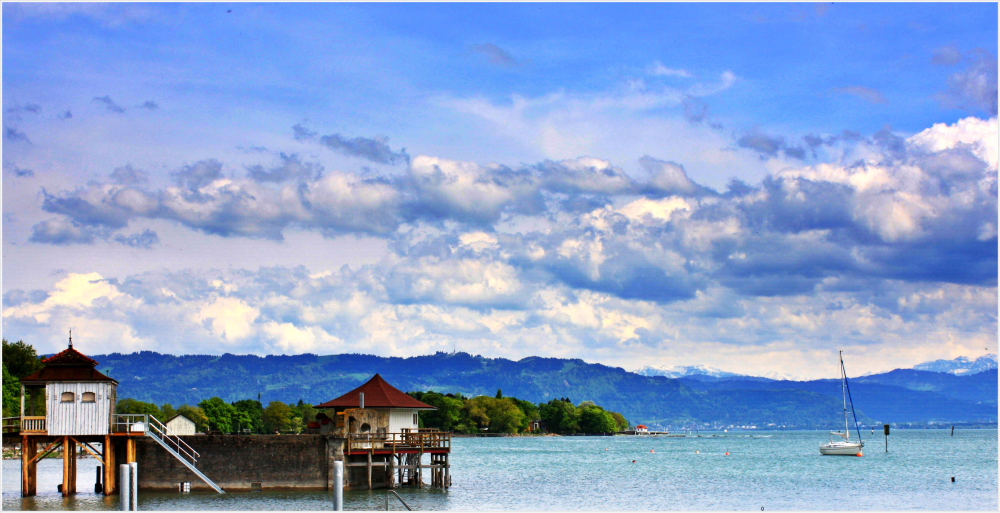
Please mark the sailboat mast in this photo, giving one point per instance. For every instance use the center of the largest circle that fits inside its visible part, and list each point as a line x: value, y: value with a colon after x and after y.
x: 843, y: 389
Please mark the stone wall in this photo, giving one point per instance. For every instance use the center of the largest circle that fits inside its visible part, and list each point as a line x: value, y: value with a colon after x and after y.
x: 238, y: 463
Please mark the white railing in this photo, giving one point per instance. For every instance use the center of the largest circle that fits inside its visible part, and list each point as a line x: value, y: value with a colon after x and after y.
x: 145, y: 423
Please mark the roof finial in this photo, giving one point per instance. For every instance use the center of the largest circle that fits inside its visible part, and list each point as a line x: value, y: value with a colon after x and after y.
x: 71, y: 338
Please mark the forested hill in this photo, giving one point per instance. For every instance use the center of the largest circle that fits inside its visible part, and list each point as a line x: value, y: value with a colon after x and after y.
x: 918, y: 396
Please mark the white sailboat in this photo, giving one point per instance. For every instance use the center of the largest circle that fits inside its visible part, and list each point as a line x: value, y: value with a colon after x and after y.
x: 845, y: 447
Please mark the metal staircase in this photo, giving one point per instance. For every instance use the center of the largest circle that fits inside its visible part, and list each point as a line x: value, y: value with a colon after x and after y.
x: 173, y: 444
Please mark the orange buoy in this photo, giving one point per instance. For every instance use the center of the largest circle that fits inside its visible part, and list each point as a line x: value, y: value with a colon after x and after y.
x: 652, y: 450
x: 727, y: 454
x: 860, y: 454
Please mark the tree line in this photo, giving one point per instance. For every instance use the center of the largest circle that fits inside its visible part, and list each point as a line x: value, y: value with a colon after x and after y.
x: 499, y: 414
x: 215, y: 415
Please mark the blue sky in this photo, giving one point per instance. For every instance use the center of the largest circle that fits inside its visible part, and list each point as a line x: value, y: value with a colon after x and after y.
x: 746, y: 186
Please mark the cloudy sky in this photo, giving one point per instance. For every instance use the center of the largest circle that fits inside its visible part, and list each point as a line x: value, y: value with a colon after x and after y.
x: 749, y: 187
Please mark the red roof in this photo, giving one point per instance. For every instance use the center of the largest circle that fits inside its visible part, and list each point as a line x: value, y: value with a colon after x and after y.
x: 378, y: 394
x: 69, y: 365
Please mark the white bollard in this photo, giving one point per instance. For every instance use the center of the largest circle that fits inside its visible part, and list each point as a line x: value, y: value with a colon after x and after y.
x: 135, y: 485
x: 338, y: 486
x: 124, y: 485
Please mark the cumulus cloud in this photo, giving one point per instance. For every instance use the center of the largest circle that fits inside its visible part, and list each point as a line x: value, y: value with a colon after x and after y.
x: 109, y: 104
x: 61, y: 232
x: 695, y: 109
x: 376, y: 150
x: 495, y: 54
x: 198, y: 175
x: 291, y: 167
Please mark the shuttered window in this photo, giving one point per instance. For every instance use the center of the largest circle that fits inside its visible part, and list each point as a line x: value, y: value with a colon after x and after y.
x: 89, y: 397
x: 416, y: 420
x: 68, y: 397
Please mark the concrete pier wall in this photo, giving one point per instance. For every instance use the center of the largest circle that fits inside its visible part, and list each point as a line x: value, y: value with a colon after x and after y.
x: 247, y: 463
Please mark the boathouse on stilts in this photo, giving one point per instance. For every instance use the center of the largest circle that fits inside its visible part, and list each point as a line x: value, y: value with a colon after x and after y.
x: 71, y: 405
x: 383, y: 436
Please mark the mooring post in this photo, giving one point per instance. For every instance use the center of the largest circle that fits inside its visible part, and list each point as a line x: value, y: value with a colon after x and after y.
x: 98, y: 487
x: 135, y: 485
x: 125, y: 486
x: 338, y: 486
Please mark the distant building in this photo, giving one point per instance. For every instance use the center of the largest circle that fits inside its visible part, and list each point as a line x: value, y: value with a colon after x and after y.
x: 396, y: 412
x: 641, y: 429
x: 181, y: 425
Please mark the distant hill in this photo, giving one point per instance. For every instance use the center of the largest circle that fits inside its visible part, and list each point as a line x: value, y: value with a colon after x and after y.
x: 653, y: 400
x: 961, y: 365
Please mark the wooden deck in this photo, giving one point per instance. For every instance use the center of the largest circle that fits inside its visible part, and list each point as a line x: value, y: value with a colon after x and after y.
x: 414, y: 442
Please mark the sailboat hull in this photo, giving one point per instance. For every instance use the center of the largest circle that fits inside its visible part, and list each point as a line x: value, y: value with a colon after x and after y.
x: 841, y: 449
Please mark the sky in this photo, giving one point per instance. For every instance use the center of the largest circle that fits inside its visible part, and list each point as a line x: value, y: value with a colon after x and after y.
x: 750, y: 187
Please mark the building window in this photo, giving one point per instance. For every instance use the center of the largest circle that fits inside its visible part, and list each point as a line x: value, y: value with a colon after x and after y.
x: 89, y: 397
x: 68, y: 397
x: 416, y: 420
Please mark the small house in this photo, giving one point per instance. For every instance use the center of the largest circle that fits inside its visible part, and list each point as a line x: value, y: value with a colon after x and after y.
x: 180, y: 425
x: 79, y: 400
x: 388, y: 409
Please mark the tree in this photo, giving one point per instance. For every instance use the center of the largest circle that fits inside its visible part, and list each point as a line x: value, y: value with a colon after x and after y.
x: 593, y: 419
x: 620, y: 420
x: 11, y: 394
x: 304, y: 412
x: 499, y: 394
x: 220, y: 414
x: 20, y: 358
x: 168, y: 411
x: 132, y: 406
x: 277, y: 417
x: 254, y: 415
x: 561, y: 416
x: 196, y: 415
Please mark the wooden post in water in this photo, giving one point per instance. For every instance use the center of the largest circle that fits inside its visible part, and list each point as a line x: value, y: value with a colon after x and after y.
x: 110, y: 487
x: 69, y: 466
x: 369, y: 469
x: 29, y: 466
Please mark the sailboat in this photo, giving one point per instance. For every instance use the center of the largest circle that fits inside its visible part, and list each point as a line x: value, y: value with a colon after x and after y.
x: 845, y: 447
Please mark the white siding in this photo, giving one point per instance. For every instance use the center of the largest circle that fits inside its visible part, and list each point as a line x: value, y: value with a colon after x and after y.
x: 78, y: 417
x: 399, y: 419
x: 181, y: 426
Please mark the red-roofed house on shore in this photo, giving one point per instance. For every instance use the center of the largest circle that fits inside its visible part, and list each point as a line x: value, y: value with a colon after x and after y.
x: 400, y: 409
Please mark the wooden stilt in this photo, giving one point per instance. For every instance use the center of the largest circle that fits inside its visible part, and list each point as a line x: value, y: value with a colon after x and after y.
x: 130, y: 450
x: 390, y: 473
x: 29, y: 467
x: 69, y: 467
x: 110, y: 468
x: 369, y: 470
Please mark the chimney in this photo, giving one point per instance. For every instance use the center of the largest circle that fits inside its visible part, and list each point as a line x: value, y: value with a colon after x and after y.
x: 362, y: 394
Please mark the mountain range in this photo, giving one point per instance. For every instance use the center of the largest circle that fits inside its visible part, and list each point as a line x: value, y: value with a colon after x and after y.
x: 690, y: 401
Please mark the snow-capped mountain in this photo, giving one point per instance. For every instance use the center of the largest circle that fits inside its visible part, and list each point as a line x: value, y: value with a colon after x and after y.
x: 678, y: 371
x: 961, y: 365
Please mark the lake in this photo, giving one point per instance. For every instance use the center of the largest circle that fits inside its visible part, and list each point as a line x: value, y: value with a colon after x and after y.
x: 777, y: 470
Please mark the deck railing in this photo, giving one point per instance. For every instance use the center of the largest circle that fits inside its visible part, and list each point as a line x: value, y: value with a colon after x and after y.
x: 33, y: 425
x: 422, y: 440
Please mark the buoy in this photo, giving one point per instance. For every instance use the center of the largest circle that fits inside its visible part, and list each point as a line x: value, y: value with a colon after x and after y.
x: 860, y: 454
x: 697, y: 452
x: 633, y: 461
x: 952, y: 479
x: 727, y: 454
x: 652, y: 450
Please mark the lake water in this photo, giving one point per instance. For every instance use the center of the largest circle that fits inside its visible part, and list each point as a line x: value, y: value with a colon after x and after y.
x: 779, y: 470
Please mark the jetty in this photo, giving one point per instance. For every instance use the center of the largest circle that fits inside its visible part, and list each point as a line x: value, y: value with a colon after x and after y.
x: 69, y: 404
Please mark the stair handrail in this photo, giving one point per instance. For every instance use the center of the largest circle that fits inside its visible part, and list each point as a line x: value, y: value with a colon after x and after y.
x: 167, y: 434
x: 387, y: 492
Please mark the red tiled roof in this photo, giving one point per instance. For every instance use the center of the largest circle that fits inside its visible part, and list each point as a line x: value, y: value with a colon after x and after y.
x: 70, y: 358
x: 69, y: 365
x: 378, y: 394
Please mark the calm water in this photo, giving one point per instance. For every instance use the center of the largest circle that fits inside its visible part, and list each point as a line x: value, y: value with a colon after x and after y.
x: 774, y: 470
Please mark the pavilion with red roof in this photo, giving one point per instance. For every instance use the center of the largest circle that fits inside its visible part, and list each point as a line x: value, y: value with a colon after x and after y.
x: 377, y: 394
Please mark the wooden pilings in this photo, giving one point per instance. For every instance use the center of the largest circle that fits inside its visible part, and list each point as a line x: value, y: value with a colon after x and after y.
x: 69, y: 466
x: 29, y: 466
x: 406, y: 470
